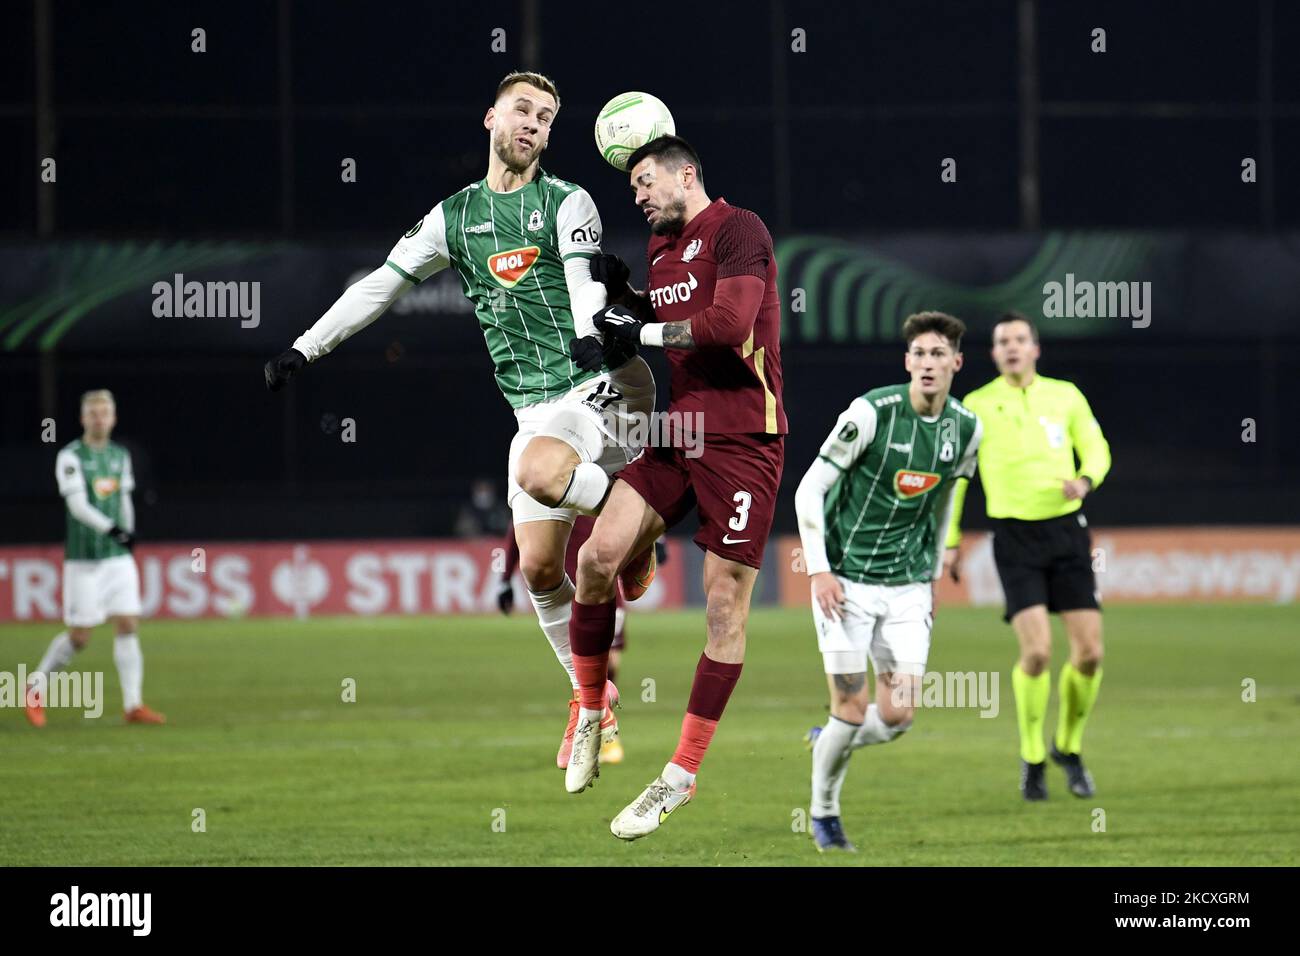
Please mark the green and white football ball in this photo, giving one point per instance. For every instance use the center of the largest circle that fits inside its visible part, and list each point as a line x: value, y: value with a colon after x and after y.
x: 628, y: 122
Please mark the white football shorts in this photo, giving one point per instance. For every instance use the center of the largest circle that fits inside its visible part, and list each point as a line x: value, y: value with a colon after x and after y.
x: 606, y: 420
x: 887, y: 623
x: 94, y: 591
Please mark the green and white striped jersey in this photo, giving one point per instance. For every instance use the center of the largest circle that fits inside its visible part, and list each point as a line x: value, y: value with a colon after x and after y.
x: 105, y: 475
x: 510, y: 251
x: 897, y: 470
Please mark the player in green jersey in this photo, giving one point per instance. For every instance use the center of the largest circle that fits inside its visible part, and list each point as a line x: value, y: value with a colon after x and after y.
x: 100, y: 579
x: 521, y: 241
x: 1034, y: 491
x: 872, y: 509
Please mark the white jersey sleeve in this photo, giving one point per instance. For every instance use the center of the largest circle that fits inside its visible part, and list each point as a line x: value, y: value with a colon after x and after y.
x: 966, y: 467
x: 67, y: 472
x: 853, y: 432
x: 422, y: 252
x: 128, y: 475
x: 577, y: 232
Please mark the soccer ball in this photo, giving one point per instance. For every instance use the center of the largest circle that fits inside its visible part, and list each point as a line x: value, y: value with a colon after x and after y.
x: 628, y: 122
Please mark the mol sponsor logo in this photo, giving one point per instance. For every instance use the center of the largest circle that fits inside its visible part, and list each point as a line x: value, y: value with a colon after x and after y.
x: 512, y: 265
x: 910, y: 483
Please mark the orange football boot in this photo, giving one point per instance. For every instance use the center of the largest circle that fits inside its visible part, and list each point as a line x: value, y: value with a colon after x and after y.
x: 143, y: 715
x: 34, y: 709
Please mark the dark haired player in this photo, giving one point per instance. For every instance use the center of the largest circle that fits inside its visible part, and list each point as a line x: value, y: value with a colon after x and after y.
x: 712, y: 302
x: 873, y: 509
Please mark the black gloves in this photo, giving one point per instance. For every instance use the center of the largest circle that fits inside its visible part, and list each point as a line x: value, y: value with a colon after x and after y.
x: 611, y: 272
x: 280, y: 369
x: 125, y: 538
x: 587, y: 353
x: 506, y: 596
x: 618, y: 322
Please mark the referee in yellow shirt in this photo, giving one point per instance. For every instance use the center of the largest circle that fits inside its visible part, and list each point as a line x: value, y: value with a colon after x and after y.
x: 1034, y: 427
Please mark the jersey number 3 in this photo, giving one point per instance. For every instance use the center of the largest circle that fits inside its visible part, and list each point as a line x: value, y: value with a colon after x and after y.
x: 743, y: 500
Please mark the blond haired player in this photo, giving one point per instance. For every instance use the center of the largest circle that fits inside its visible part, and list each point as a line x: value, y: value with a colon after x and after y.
x: 100, y: 579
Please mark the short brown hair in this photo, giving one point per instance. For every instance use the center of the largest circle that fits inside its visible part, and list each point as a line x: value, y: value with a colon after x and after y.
x: 543, y: 83
x: 1014, y: 316
x: 950, y: 327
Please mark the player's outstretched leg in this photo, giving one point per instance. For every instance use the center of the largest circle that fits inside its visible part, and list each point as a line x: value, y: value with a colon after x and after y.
x: 1031, y: 683
x: 728, y: 586
x: 625, y: 523
x: 130, y: 672
x: 57, y: 656
x: 1079, y: 682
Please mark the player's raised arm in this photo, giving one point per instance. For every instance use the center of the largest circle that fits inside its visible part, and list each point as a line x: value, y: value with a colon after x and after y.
x: 852, y: 434
x: 420, y: 253
x: 744, y: 249
x: 578, y: 230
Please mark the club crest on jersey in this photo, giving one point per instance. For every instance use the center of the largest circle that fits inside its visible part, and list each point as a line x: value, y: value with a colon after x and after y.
x: 692, y: 250
x: 104, y: 487
x: 535, y: 220
x: 512, y: 265
x: 909, y: 483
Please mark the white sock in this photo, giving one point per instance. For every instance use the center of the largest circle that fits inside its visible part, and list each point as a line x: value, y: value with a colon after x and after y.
x: 554, y: 608
x: 874, y: 730
x: 130, y: 669
x: 679, y: 778
x: 58, y: 655
x: 830, y: 765
x: 587, y: 487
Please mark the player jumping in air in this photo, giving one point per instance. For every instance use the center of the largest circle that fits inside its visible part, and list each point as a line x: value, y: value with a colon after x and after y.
x: 712, y: 302
x: 1033, y: 490
x: 521, y: 241
x: 872, y: 511
x: 100, y: 579
x: 611, y: 748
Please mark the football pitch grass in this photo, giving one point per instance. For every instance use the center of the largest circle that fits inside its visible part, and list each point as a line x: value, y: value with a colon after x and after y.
x: 447, y: 755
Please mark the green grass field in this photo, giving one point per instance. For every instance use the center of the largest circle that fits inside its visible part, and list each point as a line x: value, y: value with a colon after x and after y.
x: 458, y: 719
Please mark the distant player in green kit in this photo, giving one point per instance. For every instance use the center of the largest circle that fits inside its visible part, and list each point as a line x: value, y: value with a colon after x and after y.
x: 522, y: 241
x: 872, y: 511
x: 100, y: 579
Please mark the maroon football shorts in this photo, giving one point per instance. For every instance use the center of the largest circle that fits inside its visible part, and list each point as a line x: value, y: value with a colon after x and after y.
x: 733, y: 483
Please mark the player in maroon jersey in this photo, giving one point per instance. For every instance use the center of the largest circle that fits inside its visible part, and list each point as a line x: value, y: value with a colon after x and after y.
x: 611, y: 749
x: 711, y: 300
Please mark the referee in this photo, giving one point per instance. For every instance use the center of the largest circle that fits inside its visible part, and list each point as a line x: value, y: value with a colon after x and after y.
x: 1034, y: 427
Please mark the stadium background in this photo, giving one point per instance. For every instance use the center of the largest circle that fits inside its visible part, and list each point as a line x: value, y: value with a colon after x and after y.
x: 226, y: 166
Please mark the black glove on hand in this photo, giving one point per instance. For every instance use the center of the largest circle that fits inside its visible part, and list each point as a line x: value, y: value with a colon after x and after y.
x: 506, y: 597
x: 618, y: 322
x: 661, y: 552
x: 125, y: 538
x: 611, y: 272
x: 618, y: 352
x: 587, y: 352
x: 280, y: 369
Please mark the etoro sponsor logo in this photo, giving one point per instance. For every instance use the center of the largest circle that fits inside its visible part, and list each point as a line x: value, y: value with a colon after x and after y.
x: 910, y: 483
x: 512, y: 265
x: 675, y: 292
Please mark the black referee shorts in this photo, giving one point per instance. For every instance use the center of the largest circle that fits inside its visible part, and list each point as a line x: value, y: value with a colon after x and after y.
x: 1045, y: 562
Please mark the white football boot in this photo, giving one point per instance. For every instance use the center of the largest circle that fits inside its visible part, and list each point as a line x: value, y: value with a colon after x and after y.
x: 584, y: 761
x: 644, y: 814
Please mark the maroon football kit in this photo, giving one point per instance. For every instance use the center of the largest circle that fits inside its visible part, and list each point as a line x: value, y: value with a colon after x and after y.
x: 730, y: 383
